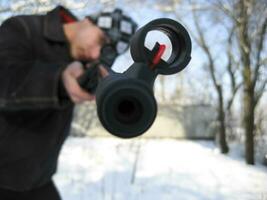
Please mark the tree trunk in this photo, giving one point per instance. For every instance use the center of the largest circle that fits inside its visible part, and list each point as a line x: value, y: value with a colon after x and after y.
x: 248, y: 123
x: 249, y: 90
x: 221, y: 117
x: 249, y: 113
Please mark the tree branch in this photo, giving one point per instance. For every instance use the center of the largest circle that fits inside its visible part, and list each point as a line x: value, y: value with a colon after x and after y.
x: 226, y: 10
x: 260, y: 92
x: 3, y: 10
x: 231, y: 100
x: 234, y: 86
x: 259, y: 49
x: 203, y: 44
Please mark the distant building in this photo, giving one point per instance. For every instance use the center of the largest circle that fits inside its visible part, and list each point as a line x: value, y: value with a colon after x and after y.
x: 173, y: 121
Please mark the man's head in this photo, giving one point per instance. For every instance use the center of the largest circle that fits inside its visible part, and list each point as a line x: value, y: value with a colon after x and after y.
x: 88, y: 36
x: 85, y: 39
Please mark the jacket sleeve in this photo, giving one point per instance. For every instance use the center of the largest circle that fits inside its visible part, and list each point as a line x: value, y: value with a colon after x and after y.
x: 26, y: 83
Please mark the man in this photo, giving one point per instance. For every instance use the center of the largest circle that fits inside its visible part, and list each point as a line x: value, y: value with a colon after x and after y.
x: 40, y: 63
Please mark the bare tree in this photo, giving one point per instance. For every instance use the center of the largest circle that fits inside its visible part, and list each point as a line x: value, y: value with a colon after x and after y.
x: 218, y: 85
x: 250, y: 20
x: 250, y: 73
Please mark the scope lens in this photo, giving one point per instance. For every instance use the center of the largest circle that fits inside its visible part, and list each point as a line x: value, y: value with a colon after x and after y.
x: 128, y: 110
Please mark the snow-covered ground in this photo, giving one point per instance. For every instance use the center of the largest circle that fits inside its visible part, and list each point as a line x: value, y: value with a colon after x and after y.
x: 115, y: 169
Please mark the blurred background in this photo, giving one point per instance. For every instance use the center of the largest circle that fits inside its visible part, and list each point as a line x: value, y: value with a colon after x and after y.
x: 209, y: 140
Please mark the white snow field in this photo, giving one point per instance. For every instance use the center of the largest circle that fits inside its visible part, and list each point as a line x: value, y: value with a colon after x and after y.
x: 138, y: 169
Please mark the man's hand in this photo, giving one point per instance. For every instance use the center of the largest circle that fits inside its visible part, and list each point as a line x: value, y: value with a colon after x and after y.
x: 69, y: 78
x: 103, y: 71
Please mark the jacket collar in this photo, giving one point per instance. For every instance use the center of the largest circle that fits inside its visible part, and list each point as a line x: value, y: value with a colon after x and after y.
x: 53, y: 24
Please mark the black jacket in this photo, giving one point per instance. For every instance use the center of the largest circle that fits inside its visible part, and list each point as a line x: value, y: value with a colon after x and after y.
x: 34, y: 121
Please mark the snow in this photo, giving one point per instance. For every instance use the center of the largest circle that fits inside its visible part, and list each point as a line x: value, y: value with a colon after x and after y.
x: 152, y: 169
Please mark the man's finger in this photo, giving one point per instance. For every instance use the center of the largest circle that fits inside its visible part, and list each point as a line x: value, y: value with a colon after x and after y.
x: 77, y: 91
x: 103, y: 71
